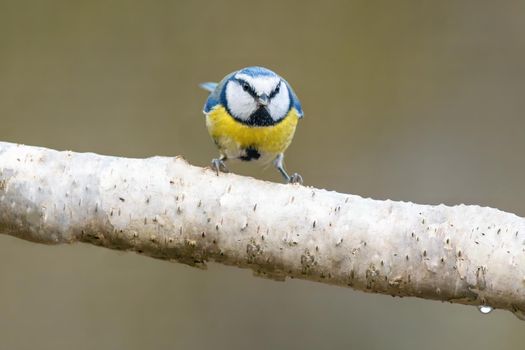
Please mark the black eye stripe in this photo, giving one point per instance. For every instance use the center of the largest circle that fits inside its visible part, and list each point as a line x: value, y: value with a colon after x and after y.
x: 276, y: 90
x: 249, y: 89
x: 246, y: 87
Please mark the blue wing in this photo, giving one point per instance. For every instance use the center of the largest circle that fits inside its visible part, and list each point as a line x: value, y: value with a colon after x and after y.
x: 294, y: 101
x: 208, y: 86
x: 216, y: 94
x: 213, y: 98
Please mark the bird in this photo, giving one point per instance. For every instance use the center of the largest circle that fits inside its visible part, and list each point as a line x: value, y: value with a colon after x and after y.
x: 251, y: 115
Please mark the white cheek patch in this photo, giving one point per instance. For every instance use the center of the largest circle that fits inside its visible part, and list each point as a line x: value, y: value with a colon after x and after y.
x: 280, y: 103
x: 240, y: 103
x: 261, y: 85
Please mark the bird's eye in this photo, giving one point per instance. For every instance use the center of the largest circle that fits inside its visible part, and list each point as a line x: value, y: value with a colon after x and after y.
x: 245, y: 86
x: 275, y: 91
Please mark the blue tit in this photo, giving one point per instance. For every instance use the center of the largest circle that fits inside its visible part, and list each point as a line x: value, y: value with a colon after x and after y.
x: 251, y: 115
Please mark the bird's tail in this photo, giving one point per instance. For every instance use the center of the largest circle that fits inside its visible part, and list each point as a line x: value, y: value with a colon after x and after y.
x: 209, y: 86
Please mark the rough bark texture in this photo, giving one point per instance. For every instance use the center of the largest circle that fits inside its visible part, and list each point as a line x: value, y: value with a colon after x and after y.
x: 168, y: 209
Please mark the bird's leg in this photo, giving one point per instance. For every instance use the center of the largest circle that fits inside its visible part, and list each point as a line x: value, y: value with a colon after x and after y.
x: 295, y: 178
x: 218, y: 165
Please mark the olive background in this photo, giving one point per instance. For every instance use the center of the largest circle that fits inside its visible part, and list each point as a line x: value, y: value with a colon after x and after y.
x: 407, y: 100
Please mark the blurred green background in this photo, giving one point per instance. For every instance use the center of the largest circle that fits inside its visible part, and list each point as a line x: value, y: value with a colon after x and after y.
x: 407, y: 100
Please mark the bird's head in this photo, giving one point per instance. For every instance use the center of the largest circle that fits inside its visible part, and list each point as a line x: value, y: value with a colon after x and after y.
x: 257, y: 96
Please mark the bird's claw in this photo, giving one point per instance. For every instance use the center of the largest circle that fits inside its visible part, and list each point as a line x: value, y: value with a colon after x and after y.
x: 295, y: 179
x: 219, y: 166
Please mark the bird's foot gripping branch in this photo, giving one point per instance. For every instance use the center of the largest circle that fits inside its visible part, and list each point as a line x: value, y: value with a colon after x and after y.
x: 168, y: 209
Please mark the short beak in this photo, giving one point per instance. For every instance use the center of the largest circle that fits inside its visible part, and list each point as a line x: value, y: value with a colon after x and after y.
x: 263, y: 100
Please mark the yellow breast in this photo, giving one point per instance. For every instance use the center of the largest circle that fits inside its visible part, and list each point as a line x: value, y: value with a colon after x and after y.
x: 231, y: 135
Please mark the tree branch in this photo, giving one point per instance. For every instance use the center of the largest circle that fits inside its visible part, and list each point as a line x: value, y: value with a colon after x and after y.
x: 168, y: 209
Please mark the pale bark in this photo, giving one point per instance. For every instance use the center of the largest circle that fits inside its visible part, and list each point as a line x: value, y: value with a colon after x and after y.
x: 165, y: 208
